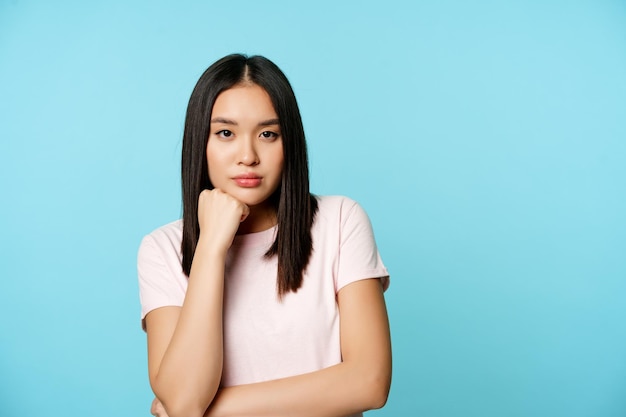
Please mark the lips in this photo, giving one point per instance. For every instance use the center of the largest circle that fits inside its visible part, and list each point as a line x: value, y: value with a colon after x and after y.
x: 248, y: 180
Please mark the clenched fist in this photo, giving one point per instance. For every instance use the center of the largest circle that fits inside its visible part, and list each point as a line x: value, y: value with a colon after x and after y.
x: 219, y: 215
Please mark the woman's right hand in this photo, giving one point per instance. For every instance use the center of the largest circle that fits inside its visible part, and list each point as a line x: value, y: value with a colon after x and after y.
x: 219, y: 216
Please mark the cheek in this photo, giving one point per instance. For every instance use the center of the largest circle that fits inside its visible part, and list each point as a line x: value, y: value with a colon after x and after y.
x: 279, y: 167
x: 279, y: 159
x: 213, y: 163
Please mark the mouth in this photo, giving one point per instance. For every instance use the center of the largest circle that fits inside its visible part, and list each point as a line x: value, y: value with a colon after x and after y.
x: 248, y: 176
x: 248, y: 180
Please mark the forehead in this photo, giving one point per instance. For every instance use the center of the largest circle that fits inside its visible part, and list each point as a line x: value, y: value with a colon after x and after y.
x: 244, y: 101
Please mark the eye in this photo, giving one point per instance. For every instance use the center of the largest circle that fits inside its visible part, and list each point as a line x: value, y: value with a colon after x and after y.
x: 225, y: 134
x: 268, y: 135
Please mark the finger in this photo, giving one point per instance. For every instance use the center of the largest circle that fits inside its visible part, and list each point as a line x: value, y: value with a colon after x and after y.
x: 245, y: 212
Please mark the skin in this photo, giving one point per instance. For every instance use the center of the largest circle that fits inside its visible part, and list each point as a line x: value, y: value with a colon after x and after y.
x: 185, y: 344
x: 245, y: 139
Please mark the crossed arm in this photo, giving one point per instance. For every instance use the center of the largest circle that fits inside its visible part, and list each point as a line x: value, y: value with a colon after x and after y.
x: 187, y: 384
x: 185, y: 344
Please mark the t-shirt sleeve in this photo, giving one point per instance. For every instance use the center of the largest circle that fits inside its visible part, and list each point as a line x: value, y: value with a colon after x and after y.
x: 358, y: 255
x: 159, y: 282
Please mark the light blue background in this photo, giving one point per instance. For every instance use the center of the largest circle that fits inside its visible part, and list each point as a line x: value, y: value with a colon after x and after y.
x: 487, y: 141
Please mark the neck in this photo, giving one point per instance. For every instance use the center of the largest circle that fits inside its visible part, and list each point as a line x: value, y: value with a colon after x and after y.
x: 260, y: 218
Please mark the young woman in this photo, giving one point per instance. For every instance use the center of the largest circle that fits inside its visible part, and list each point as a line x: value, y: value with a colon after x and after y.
x: 264, y: 300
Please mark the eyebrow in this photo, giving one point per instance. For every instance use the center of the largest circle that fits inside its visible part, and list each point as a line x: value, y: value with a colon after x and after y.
x: 269, y: 122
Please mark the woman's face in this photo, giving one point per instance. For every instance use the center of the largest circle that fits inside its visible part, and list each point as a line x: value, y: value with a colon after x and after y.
x: 245, y: 148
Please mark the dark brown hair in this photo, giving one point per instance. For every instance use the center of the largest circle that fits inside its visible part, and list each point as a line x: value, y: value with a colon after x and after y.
x: 295, y: 205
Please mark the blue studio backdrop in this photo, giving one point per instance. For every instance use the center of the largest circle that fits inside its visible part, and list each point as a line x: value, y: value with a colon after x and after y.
x: 486, y: 140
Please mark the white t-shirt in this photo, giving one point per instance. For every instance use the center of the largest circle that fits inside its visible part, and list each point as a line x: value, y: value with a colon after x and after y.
x: 265, y: 338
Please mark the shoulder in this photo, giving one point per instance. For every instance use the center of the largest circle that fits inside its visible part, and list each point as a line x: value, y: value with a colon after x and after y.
x: 162, y: 281
x: 165, y: 239
x: 333, y: 201
x: 173, y: 230
x: 340, y: 208
x: 335, y: 204
x: 346, y: 232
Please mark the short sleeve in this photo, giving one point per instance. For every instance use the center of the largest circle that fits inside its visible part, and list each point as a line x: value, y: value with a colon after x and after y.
x: 358, y: 254
x: 161, y: 280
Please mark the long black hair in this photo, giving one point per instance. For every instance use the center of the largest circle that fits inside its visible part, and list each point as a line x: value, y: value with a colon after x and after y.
x: 295, y: 205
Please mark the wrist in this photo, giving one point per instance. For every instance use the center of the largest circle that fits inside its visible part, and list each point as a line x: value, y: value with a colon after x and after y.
x: 208, y: 247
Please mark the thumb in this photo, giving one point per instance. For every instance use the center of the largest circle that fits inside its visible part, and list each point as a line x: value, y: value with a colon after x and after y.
x: 245, y: 212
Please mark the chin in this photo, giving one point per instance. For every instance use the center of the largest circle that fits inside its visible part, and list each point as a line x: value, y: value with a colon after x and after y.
x: 252, y: 201
x: 256, y: 203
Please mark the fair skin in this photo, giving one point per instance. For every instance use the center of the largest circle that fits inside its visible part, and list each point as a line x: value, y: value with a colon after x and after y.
x: 245, y: 152
x: 185, y: 344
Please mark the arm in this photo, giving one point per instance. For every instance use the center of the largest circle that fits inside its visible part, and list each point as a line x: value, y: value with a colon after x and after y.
x: 185, y: 348
x: 359, y: 383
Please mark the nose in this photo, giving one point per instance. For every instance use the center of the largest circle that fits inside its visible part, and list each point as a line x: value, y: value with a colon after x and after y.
x: 247, y: 152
